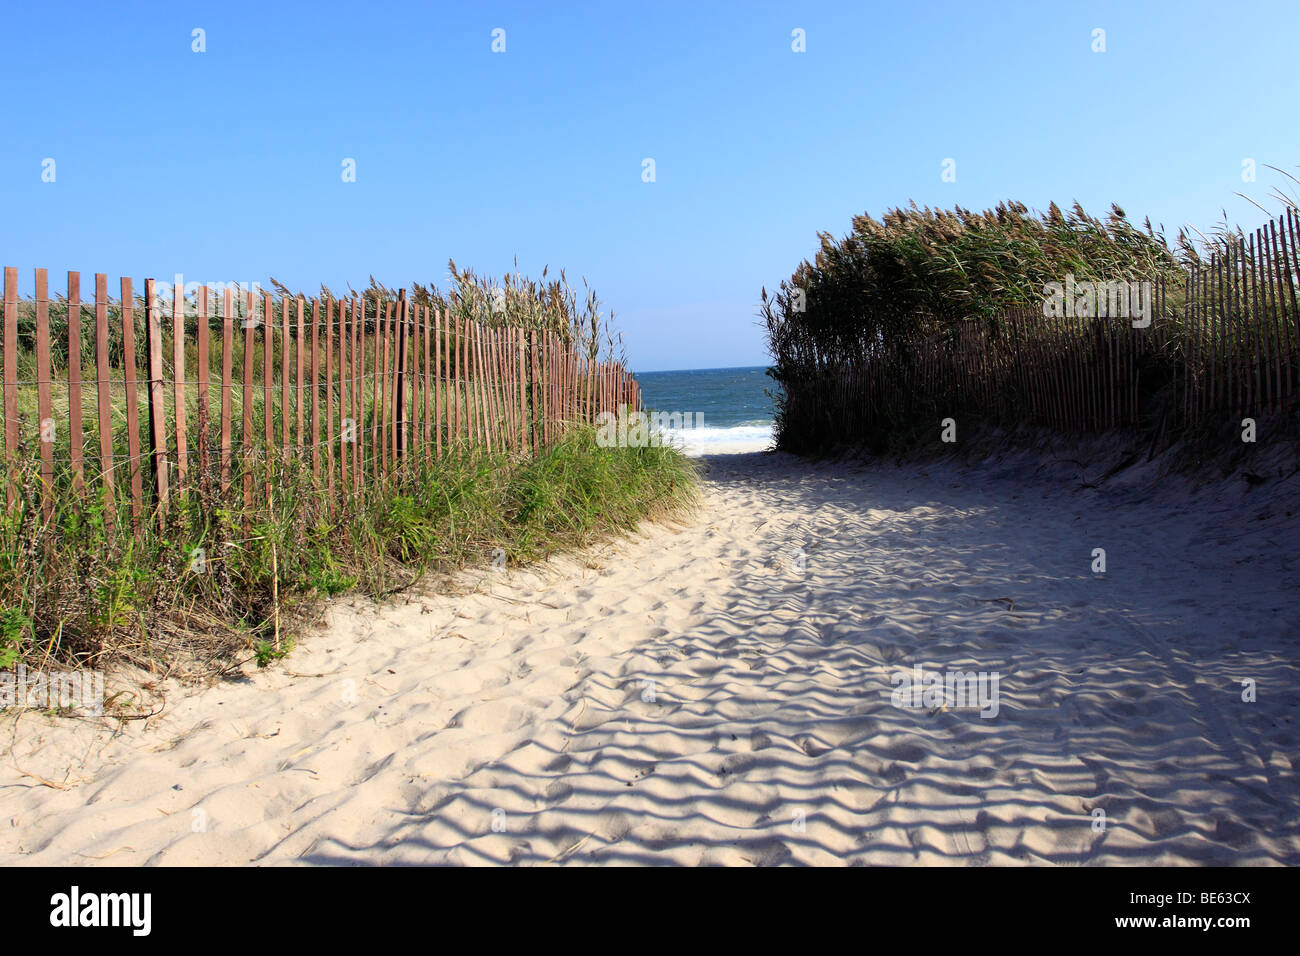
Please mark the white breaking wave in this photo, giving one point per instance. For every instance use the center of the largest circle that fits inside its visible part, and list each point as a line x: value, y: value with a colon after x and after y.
x: 721, y: 441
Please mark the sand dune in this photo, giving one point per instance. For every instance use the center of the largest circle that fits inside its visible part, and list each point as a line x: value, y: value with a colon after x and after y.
x: 720, y: 693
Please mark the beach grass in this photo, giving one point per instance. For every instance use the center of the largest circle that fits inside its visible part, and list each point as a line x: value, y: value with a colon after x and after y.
x: 212, y: 583
x: 234, y: 570
x: 916, y: 318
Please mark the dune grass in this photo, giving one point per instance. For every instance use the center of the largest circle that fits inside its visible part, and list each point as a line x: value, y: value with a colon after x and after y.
x: 213, y: 583
x: 219, y: 578
x: 901, y: 324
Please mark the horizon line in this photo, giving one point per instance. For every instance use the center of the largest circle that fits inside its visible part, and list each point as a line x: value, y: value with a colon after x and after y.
x: 708, y: 368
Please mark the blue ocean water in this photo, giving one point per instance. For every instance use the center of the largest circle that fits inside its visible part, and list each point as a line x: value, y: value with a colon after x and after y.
x: 731, y: 407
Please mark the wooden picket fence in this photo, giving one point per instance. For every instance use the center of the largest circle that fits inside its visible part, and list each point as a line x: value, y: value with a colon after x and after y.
x: 1223, y: 347
x: 363, y: 385
x: 1240, y: 327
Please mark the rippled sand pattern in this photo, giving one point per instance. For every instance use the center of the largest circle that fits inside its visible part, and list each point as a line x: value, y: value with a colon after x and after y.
x: 720, y: 693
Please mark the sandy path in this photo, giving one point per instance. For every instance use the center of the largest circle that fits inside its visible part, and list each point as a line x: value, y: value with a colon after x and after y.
x: 692, y: 696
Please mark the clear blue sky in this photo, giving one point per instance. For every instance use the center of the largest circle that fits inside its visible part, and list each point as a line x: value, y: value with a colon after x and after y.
x: 226, y: 165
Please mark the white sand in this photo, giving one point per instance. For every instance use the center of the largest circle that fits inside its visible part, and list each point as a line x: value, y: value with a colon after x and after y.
x: 700, y: 442
x: 703, y: 442
x: 769, y: 736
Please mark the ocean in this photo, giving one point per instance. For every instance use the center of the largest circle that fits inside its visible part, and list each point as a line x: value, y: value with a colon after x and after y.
x: 729, y: 407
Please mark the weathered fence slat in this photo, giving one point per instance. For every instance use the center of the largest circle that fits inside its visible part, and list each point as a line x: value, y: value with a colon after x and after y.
x: 268, y: 394
x: 227, y: 383
x: 346, y: 393
x: 76, y: 437
x: 358, y: 392
x: 104, y: 403
x: 438, y: 391
x: 397, y: 396
x: 430, y: 380
x: 246, y: 441
x: 130, y: 384
x: 329, y: 394
x: 315, y: 383
x: 358, y: 358
x: 534, y: 436
x: 1279, y: 257
x: 299, y: 396
x: 284, y: 378
x: 157, y: 409
x: 178, y: 391
x: 203, y: 377
x: 10, y: 346
x: 417, y: 438
x: 512, y: 391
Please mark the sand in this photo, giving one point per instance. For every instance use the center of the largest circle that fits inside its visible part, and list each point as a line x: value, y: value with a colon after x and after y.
x: 719, y: 692
x: 707, y: 442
